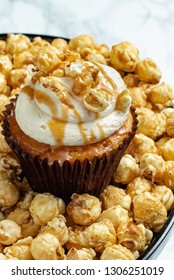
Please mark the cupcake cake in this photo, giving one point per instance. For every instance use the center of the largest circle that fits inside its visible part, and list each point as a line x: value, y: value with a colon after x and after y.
x: 70, y: 125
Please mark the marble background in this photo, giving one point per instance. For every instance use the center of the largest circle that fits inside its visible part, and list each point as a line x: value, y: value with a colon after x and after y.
x: 149, y: 24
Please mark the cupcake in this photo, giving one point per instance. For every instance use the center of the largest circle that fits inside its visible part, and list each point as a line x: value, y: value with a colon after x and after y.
x: 70, y: 125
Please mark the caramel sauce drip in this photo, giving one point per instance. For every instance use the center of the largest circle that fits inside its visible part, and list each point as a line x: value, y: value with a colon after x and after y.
x: 83, y: 134
x: 29, y: 91
x: 45, y: 99
x: 102, y: 133
x: 107, y: 77
x: 92, y: 136
x: 58, y: 129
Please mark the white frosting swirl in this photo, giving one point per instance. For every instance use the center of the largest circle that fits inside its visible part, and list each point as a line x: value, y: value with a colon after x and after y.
x: 63, y: 117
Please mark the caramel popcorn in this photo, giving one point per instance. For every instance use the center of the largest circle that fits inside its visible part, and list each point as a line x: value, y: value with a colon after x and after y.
x: 117, y: 252
x: 84, y: 209
x: 131, y: 80
x: 148, y: 71
x: 152, y: 167
x: 127, y: 170
x: 113, y: 196
x: 77, y: 238
x: 120, y: 223
x: 160, y: 95
x: 10, y: 232
x: 100, y: 235
x: 147, y: 122
x: 5, y: 65
x: 124, y: 56
x: 123, y: 101
x: 137, y: 186
x: 16, y: 43
x: 9, y: 194
x: 149, y: 210
x: 20, y: 249
x: 169, y: 174
x: 59, y: 43
x: 46, y: 247
x: 57, y: 227
x: 168, y: 150
x: 83, y: 44
x: 43, y: 208
x: 134, y: 237
x: 165, y: 194
x: 116, y: 214
x: 139, y: 97
x: 96, y: 58
x: 81, y: 254
x: 170, y: 124
x: 96, y: 100
x: 18, y: 77
x: 140, y: 145
x: 20, y: 216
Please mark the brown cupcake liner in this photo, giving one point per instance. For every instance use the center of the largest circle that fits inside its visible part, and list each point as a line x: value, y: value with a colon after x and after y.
x: 64, y: 180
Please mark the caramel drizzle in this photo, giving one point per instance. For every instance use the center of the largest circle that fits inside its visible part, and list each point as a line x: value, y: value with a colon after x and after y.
x: 114, y: 86
x: 29, y: 91
x: 102, y: 133
x: 58, y: 130
x: 45, y: 99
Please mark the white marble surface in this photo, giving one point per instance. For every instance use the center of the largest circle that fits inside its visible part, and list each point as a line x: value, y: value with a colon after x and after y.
x: 149, y: 24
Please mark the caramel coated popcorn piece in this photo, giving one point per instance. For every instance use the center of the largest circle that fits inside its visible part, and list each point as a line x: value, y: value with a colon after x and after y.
x: 148, y: 123
x: 9, y: 194
x: 152, y: 167
x: 150, y: 211
x: 139, y: 97
x: 48, y: 58
x: 18, y: 77
x: 5, y: 65
x: 148, y: 71
x: 117, y: 252
x: 96, y: 100
x: 127, y: 170
x: 81, y: 254
x: 20, y: 216
x: 137, y: 186
x: 124, y: 56
x: 10, y: 232
x: 134, y: 237
x: 131, y: 80
x: 84, y: 209
x: 100, y: 235
x: 160, y: 95
x: 168, y: 150
x: 169, y: 174
x: 16, y: 43
x: 43, y: 208
x: 82, y: 44
x: 46, y: 247
x: 165, y: 194
x: 96, y: 58
x: 59, y: 43
x: 22, y: 59
x: 170, y: 124
x: 20, y: 249
x: 116, y: 214
x: 140, y: 145
x: 112, y: 196
x: 77, y: 237
x: 58, y: 228
x: 123, y: 101
x: 3, y: 83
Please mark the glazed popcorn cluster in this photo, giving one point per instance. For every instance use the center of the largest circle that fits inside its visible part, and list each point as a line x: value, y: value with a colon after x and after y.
x: 122, y: 221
